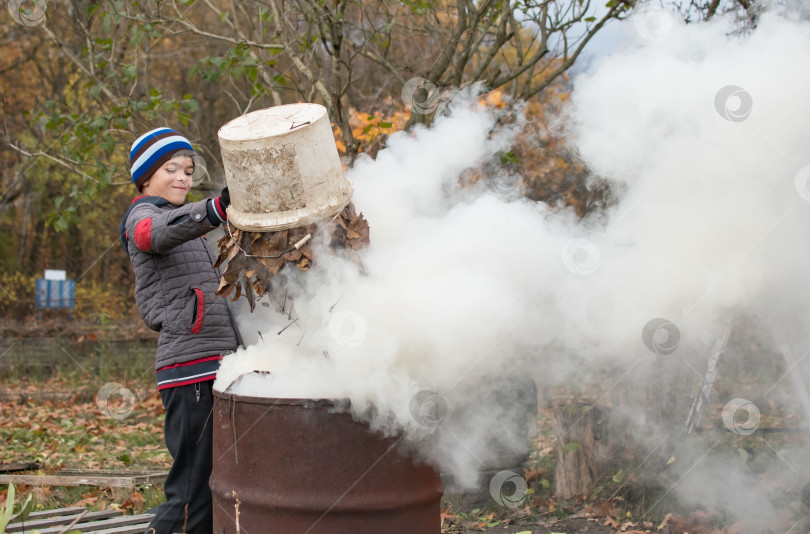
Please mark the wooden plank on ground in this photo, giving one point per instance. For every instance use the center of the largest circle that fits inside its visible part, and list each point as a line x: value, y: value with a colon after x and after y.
x: 110, y: 472
x: 62, y: 520
x: 106, y: 524
x: 84, y: 480
x: 140, y: 528
x: 18, y: 466
x: 24, y: 396
x: 55, y: 512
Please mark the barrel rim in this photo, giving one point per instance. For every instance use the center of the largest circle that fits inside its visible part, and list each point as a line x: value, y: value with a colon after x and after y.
x: 249, y: 399
x: 260, y: 112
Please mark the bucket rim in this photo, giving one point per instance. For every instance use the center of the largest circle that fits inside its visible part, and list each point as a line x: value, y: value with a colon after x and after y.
x: 251, y: 222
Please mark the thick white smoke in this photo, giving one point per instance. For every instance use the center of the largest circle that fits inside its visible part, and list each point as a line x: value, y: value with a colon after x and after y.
x: 461, y: 291
x: 707, y: 131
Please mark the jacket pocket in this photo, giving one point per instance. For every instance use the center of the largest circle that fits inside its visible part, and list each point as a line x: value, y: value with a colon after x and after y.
x: 198, y: 311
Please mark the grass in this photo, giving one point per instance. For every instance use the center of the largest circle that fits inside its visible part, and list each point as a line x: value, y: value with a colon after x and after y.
x: 57, y: 414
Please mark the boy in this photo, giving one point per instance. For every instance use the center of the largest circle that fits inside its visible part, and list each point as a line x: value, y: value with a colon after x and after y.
x: 175, y: 285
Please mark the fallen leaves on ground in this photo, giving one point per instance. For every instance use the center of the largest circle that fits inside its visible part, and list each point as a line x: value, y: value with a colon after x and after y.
x: 70, y: 433
x: 88, y: 499
x: 133, y: 503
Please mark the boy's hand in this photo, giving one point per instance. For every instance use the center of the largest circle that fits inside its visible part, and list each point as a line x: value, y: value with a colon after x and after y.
x: 225, y: 199
x: 216, y: 208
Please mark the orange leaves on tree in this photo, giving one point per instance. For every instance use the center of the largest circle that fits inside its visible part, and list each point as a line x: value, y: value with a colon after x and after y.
x: 371, y: 130
x: 494, y: 99
x: 550, y: 168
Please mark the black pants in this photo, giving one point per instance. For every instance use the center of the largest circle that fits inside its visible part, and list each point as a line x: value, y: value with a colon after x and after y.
x: 187, y: 428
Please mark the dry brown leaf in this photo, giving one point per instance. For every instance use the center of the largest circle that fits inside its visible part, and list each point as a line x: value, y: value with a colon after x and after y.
x: 224, y: 291
x: 277, y: 242
x: 358, y: 229
x: 239, y: 264
x: 231, y: 275
x: 135, y: 500
x: 665, y: 521
x: 261, y: 272
x: 233, y: 252
x: 531, y: 474
x: 273, y: 265
x: 296, y: 234
x: 261, y: 248
x: 253, y: 257
x: 224, y: 241
x: 293, y: 255
x: 238, y: 292
x: 250, y: 296
x: 258, y: 287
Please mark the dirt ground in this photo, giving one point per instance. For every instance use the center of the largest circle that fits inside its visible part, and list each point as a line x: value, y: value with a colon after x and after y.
x: 568, y: 526
x: 468, y: 513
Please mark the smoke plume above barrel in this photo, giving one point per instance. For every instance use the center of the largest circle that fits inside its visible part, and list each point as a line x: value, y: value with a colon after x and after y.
x: 463, y: 291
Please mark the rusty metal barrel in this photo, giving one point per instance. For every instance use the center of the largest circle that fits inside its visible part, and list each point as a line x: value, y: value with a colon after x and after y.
x: 296, y: 466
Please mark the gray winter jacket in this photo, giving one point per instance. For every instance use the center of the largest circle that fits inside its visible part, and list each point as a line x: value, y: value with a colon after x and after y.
x: 175, y: 281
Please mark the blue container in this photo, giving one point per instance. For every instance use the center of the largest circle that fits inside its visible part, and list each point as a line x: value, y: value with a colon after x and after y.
x: 55, y: 293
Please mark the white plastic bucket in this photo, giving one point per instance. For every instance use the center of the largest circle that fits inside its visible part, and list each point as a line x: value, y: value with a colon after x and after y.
x: 282, y: 168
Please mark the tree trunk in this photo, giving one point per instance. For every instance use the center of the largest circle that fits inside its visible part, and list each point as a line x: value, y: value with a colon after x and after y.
x: 575, y: 474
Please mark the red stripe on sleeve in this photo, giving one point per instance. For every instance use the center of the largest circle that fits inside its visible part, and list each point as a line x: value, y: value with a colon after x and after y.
x: 143, y: 234
x: 200, y: 310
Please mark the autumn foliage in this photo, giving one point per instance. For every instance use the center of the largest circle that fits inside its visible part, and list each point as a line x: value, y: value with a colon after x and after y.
x: 542, y: 161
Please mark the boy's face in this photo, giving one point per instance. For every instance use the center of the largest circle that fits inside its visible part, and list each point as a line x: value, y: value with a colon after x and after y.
x: 172, y: 180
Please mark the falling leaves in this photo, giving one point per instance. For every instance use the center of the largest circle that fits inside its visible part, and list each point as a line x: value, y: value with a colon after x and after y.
x: 252, y: 258
x: 352, y: 230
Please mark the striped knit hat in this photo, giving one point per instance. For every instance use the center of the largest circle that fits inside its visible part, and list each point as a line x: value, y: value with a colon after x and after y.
x: 153, y: 149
